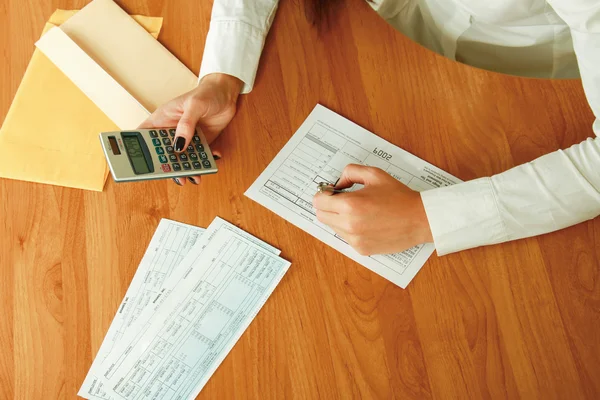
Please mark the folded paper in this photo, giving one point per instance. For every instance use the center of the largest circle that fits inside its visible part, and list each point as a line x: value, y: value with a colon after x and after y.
x: 77, y: 90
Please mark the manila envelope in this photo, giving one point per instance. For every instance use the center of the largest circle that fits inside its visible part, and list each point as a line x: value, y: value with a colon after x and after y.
x: 100, y: 70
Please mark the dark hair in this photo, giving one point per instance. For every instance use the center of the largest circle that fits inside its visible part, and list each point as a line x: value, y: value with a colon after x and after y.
x: 318, y: 12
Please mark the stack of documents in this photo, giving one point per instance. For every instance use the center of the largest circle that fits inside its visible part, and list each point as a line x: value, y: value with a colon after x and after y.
x: 194, y: 293
x: 318, y: 152
x: 93, y: 71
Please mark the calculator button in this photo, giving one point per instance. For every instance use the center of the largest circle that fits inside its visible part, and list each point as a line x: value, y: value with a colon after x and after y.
x: 206, y: 164
x: 153, y: 134
x: 193, y: 156
x: 190, y: 148
x: 199, y: 147
x: 159, y: 150
x: 169, y: 149
x: 156, y: 142
x: 163, y: 133
x: 167, y: 141
x: 162, y: 159
x: 196, y: 139
x: 172, y: 157
x: 203, y: 155
x: 166, y: 168
x: 172, y: 132
x: 176, y: 167
x: 186, y: 165
x: 197, y: 165
x: 183, y: 157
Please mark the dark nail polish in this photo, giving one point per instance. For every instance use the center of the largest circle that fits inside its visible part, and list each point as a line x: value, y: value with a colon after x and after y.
x: 179, y: 143
x: 216, y: 157
x: 176, y: 180
x: 191, y: 180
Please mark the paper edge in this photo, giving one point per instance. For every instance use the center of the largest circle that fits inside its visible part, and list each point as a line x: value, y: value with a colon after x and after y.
x: 63, y: 51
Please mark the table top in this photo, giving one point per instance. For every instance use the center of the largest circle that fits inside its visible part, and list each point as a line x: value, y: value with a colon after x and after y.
x: 520, y: 319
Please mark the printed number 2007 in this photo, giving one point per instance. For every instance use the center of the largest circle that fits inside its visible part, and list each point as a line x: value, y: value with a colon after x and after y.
x: 382, y: 154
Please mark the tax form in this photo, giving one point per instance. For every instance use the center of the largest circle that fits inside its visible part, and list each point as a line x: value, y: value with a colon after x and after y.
x: 318, y: 152
x: 198, y: 316
x: 169, y: 245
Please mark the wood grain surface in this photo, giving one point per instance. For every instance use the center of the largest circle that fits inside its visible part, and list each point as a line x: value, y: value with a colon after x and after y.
x: 516, y: 320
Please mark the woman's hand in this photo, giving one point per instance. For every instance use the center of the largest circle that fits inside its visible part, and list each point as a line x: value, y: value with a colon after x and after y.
x: 210, y: 106
x: 383, y: 217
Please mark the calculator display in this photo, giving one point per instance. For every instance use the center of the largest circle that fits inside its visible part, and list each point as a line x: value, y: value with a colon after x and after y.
x: 136, y: 155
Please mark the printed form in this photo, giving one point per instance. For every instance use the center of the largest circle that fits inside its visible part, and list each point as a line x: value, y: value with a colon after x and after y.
x: 169, y: 245
x: 188, y: 329
x: 318, y: 152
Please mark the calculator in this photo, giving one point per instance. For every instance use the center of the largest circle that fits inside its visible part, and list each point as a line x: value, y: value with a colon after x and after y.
x: 145, y: 154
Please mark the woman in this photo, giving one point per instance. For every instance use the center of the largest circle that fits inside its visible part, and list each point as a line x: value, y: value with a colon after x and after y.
x: 550, y: 39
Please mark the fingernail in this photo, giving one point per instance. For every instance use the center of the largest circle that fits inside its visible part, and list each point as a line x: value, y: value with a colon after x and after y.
x: 191, y: 180
x: 176, y: 180
x: 216, y: 157
x: 179, y: 143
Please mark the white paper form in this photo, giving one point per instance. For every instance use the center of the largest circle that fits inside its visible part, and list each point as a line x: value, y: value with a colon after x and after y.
x: 198, y: 323
x: 318, y: 152
x: 169, y: 245
x: 173, y: 280
x: 96, y: 387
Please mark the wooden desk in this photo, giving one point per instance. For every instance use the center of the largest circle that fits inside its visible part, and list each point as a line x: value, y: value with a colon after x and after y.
x: 515, y: 320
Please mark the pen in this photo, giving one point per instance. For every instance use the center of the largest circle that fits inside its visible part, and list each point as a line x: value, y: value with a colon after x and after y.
x: 327, y: 187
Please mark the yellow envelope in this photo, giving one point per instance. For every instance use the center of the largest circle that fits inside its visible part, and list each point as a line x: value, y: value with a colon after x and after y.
x: 50, y: 134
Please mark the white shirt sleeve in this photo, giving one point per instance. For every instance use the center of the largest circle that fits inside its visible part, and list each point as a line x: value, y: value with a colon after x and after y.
x: 236, y: 37
x: 552, y: 192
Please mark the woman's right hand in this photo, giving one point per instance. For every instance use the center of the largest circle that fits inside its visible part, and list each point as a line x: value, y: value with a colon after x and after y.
x: 210, y: 107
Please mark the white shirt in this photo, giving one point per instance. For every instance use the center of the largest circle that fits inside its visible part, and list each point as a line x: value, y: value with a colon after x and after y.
x: 557, y: 38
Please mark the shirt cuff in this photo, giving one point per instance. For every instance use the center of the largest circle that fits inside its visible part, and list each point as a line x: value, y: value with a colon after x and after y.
x: 463, y: 216
x: 233, y: 48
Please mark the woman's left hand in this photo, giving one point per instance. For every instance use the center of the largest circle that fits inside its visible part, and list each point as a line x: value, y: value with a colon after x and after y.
x: 383, y: 217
